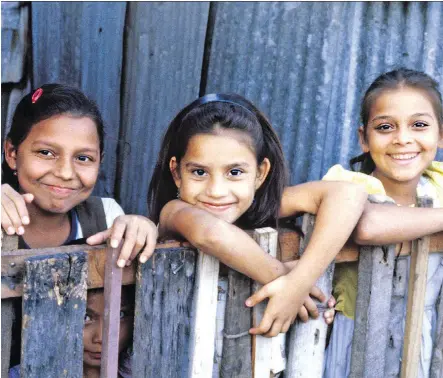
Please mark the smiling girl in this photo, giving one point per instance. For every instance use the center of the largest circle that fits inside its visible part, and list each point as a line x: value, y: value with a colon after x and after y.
x: 402, y: 128
x: 223, y: 161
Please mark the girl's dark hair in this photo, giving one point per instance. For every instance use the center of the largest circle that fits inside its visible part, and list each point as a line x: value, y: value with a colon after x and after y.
x: 55, y: 100
x: 393, y: 80
x: 204, y: 116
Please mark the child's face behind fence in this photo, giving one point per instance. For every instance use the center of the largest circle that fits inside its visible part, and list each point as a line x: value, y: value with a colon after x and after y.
x: 219, y: 174
x: 402, y: 135
x: 92, y: 333
x: 58, y: 162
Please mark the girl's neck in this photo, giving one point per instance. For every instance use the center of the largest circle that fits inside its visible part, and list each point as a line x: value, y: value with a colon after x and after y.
x: 91, y: 372
x: 403, y: 193
x: 46, y: 229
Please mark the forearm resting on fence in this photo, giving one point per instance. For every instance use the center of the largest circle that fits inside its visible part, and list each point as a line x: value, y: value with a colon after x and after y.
x: 387, y: 224
x: 228, y: 243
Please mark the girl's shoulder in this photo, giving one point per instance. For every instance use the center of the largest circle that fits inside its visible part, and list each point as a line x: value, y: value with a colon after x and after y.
x: 371, y: 184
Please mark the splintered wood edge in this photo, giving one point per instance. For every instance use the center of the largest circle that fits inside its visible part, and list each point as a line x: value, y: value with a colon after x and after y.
x: 288, y: 244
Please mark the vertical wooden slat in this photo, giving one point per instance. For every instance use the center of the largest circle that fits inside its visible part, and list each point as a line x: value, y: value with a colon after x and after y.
x: 236, y: 357
x: 416, y: 301
x: 163, y: 306
x: 267, y: 239
x: 7, y: 320
x: 203, y: 320
x: 54, y: 304
x: 111, y: 318
x: 437, y: 356
x: 308, y: 340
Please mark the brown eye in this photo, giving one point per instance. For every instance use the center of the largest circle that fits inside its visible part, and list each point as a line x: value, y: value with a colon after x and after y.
x: 420, y: 125
x: 384, y: 127
x: 199, y: 172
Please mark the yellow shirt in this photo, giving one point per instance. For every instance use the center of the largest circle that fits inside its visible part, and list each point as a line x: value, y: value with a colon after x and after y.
x: 345, y: 277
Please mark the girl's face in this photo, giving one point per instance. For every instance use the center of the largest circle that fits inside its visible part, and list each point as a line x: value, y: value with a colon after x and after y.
x: 219, y: 174
x: 402, y: 135
x: 92, y: 332
x: 58, y: 162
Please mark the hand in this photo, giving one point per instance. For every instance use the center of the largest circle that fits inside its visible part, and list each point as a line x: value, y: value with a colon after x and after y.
x: 330, y: 314
x: 14, y: 211
x: 285, y: 300
x: 138, y: 233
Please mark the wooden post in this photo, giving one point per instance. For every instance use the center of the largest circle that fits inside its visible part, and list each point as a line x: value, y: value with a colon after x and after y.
x: 267, y: 239
x: 236, y: 357
x: 54, y: 305
x: 163, y: 306
x: 204, y: 313
x: 437, y: 356
x: 416, y: 301
x: 111, y: 319
x: 7, y: 320
x: 394, y: 347
x: 308, y: 340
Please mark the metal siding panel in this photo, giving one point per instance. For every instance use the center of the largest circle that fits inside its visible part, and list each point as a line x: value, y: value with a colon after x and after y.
x: 307, y: 65
x: 163, y: 59
x: 81, y: 44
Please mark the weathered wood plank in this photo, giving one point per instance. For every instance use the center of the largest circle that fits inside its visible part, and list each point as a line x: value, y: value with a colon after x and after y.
x: 308, y: 340
x: 15, y: 20
x: 437, y: 356
x: 267, y: 239
x: 111, y: 318
x: 54, y: 285
x: 7, y: 320
x: 163, y: 306
x: 201, y: 356
x: 375, y: 270
x: 164, y: 45
x: 236, y: 357
x: 81, y: 44
x: 416, y: 301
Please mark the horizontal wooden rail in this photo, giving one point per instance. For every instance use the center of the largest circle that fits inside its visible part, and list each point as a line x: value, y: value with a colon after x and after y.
x: 12, y: 262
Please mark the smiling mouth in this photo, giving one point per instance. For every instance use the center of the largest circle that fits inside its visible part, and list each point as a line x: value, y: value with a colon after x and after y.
x: 217, y: 207
x: 60, y: 190
x: 405, y: 156
x: 95, y: 355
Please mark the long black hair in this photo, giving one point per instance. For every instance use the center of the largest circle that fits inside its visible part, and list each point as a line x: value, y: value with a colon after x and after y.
x: 203, y: 116
x: 48, y: 101
x: 399, y: 78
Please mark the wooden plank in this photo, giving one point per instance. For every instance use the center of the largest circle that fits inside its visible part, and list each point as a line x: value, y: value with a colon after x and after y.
x: 164, y: 45
x: 375, y: 271
x: 267, y: 239
x: 81, y: 44
x: 15, y: 21
x: 220, y: 322
x: 12, y: 275
x: 7, y: 320
x: 163, y: 306
x: 54, y: 305
x: 111, y: 318
x: 437, y: 356
x: 308, y: 340
x: 236, y: 356
x: 395, y: 336
x: 416, y: 302
x: 201, y: 354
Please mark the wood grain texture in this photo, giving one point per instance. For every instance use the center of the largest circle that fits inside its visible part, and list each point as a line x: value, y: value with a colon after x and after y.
x: 7, y: 320
x: 163, y: 306
x: 54, y: 305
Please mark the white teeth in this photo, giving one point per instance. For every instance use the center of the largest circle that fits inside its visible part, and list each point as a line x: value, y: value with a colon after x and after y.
x: 404, y: 156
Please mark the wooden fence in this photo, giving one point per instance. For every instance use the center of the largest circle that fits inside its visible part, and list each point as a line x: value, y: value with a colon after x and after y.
x: 176, y: 303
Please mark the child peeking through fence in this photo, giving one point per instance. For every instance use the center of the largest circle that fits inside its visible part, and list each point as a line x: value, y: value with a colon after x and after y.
x: 92, y: 334
x: 221, y: 168
x: 402, y: 128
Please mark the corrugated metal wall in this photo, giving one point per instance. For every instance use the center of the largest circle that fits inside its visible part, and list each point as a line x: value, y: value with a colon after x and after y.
x: 306, y: 65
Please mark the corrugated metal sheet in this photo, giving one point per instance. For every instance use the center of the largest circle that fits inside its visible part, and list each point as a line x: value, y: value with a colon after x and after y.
x: 81, y: 43
x: 306, y: 65
x: 163, y: 59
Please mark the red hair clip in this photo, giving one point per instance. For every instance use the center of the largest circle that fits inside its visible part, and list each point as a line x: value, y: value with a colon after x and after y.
x: 37, y: 94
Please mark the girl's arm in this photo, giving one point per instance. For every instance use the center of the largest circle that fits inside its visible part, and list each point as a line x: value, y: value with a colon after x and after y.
x: 338, y: 206
x: 228, y: 243
x: 387, y: 224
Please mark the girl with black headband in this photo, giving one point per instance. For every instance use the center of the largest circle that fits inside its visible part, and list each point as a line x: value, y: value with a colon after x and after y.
x: 221, y: 168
